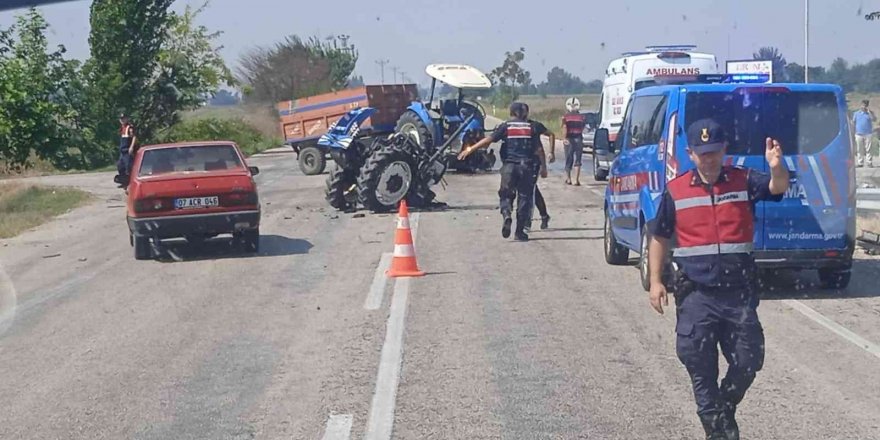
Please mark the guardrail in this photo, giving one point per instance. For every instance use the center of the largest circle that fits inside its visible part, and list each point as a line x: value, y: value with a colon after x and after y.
x: 868, y: 199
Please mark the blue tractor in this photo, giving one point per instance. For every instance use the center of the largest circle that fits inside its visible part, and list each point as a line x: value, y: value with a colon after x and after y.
x: 378, y: 171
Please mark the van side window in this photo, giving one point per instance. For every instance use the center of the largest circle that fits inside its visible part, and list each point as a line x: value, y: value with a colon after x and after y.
x: 647, y: 121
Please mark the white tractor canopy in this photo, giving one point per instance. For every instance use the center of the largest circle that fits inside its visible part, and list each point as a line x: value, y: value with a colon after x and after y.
x: 459, y: 76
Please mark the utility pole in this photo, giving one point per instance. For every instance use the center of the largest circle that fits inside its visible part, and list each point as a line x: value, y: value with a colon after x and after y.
x: 806, y: 41
x: 344, y: 39
x: 382, y: 64
x: 394, y: 69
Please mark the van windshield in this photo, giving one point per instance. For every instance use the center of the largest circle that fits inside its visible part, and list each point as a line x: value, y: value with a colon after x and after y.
x: 803, y: 122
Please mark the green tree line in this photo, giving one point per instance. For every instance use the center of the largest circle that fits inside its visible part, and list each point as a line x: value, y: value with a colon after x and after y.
x: 146, y: 61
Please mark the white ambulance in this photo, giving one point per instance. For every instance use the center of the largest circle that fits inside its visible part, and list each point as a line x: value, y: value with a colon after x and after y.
x: 636, y: 70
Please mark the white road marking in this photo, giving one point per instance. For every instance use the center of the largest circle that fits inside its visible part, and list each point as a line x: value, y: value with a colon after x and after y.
x: 338, y: 427
x: 381, y: 420
x: 840, y: 330
x: 377, y: 289
x: 414, y: 226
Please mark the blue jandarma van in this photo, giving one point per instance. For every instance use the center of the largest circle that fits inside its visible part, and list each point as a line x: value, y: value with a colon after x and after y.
x: 812, y: 228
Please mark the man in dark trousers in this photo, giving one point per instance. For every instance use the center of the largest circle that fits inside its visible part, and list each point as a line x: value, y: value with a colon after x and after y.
x: 517, y: 172
x: 573, y: 124
x: 715, y: 274
x: 127, y: 145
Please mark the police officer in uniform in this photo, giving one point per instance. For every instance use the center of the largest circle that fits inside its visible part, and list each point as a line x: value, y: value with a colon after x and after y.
x: 127, y: 144
x: 573, y: 124
x: 517, y: 171
x: 715, y: 275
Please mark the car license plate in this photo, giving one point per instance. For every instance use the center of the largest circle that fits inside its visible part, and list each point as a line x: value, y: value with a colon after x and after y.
x: 196, y: 202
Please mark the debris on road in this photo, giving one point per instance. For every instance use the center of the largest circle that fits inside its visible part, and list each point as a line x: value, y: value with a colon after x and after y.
x: 83, y: 259
x: 51, y: 256
x: 870, y: 242
x: 360, y: 215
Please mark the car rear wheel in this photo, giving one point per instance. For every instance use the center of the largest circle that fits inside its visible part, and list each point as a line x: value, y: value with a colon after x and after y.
x: 834, y: 278
x: 142, y: 248
x: 250, y: 240
x: 615, y: 253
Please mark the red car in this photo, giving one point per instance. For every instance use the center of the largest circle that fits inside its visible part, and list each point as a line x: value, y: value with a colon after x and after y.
x: 194, y: 190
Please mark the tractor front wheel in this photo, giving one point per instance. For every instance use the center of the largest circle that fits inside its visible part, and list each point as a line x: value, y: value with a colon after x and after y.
x: 387, y: 177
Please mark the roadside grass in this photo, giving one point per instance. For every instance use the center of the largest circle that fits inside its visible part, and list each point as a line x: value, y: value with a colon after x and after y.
x: 25, y: 206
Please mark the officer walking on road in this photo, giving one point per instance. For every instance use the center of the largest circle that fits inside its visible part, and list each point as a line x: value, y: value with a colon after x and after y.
x: 715, y: 275
x: 538, y: 198
x: 127, y: 145
x: 517, y: 172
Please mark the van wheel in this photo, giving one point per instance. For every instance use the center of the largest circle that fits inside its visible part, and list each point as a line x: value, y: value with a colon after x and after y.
x: 599, y: 175
x: 834, y: 278
x: 615, y: 253
x: 644, y: 273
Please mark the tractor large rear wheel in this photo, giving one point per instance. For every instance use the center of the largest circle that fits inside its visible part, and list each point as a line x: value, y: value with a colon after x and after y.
x: 411, y: 125
x: 341, y: 188
x: 386, y: 177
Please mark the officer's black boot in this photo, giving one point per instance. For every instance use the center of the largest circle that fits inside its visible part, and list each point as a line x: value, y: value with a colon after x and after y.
x: 545, y: 222
x: 712, y: 426
x: 728, y: 422
x: 505, y: 228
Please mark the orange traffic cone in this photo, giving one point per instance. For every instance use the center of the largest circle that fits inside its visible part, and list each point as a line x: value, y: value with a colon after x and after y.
x: 403, y: 263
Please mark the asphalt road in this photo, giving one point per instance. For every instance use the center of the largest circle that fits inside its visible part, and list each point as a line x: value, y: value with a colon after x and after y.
x: 538, y: 340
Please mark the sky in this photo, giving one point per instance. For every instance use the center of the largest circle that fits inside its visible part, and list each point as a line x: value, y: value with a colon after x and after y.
x: 580, y: 36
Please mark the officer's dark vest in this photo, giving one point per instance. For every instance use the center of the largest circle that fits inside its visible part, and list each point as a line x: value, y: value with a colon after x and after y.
x: 125, y: 137
x: 574, y: 124
x: 520, y: 145
x: 714, y: 228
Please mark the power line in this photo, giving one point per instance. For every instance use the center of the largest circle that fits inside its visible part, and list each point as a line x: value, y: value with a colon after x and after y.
x: 382, y: 64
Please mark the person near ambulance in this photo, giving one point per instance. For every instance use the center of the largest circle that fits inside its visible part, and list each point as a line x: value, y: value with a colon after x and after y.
x: 517, y: 172
x: 573, y: 124
x: 127, y: 146
x: 715, y: 274
x: 863, y: 120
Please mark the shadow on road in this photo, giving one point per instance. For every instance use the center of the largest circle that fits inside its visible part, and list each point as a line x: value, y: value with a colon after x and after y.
x: 224, y: 247
x: 532, y: 238
x: 552, y: 229
x: 782, y: 285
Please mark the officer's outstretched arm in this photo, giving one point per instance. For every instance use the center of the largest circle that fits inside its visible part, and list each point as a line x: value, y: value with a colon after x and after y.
x: 482, y: 143
x: 542, y: 157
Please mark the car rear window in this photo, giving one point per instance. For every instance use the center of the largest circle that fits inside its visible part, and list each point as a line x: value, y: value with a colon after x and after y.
x: 803, y: 122
x: 190, y: 158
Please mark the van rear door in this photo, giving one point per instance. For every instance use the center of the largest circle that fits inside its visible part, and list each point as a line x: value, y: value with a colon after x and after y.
x: 810, y: 123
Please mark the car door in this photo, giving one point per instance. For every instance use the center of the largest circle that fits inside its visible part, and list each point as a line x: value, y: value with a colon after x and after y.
x: 638, y: 166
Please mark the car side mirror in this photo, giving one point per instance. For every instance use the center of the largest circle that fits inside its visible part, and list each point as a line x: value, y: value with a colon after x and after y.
x: 254, y: 170
x: 601, y: 141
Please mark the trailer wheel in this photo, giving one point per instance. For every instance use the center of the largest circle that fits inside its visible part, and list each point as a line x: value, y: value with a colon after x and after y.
x: 312, y: 161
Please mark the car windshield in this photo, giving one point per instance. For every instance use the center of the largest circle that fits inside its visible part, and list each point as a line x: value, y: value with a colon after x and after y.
x: 803, y: 122
x: 189, y: 159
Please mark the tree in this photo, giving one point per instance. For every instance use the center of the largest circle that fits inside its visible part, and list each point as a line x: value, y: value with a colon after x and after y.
x: 356, y: 81
x: 510, y: 75
x: 189, y: 69
x: 33, y: 110
x: 295, y: 68
x: 125, y: 40
x: 224, y: 97
x: 594, y: 86
x: 779, y: 63
x: 561, y: 82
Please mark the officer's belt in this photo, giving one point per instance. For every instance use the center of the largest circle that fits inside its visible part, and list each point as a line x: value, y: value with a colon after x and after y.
x: 520, y: 161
